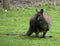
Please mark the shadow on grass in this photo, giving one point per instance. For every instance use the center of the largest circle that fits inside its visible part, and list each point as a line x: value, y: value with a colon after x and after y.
x: 21, y: 36
x: 32, y: 37
x: 17, y: 35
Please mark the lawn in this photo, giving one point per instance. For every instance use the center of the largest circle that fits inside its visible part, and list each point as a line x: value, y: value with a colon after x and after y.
x: 14, y: 23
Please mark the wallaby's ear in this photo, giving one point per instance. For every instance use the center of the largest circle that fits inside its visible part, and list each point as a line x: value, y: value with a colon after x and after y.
x: 41, y: 10
x: 36, y: 10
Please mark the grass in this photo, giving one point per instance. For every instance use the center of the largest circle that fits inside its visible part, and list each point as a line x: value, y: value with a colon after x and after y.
x: 16, y: 21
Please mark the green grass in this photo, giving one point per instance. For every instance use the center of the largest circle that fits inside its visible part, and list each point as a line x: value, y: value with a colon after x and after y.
x: 16, y: 21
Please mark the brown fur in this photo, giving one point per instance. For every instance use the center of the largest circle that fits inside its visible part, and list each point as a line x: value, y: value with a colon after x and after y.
x: 47, y: 18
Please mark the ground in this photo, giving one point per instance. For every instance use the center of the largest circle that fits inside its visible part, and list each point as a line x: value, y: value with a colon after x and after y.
x: 14, y: 23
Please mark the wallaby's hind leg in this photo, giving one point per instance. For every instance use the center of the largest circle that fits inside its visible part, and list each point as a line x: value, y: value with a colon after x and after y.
x: 29, y: 32
x: 44, y: 33
x: 37, y: 33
